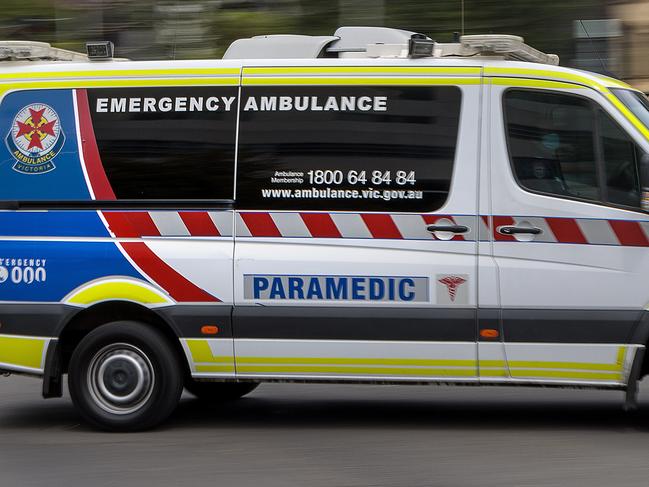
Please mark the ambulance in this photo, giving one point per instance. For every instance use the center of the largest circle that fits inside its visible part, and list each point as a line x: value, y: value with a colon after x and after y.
x: 367, y: 207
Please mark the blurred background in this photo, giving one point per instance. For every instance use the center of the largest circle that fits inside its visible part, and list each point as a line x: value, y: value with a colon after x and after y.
x: 610, y: 37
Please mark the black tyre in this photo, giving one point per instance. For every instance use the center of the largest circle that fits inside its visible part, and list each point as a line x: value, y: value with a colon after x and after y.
x: 125, y: 376
x: 219, y: 391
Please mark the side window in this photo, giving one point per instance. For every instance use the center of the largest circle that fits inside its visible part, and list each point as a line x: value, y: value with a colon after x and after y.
x: 166, y: 143
x: 565, y: 145
x: 621, y: 160
x: 551, y: 142
x: 347, y: 148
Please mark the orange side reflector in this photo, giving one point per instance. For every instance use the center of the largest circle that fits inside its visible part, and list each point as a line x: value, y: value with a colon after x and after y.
x: 209, y: 329
x: 489, y: 333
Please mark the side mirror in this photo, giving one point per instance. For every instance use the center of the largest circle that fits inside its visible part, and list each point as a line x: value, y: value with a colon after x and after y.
x: 644, y: 182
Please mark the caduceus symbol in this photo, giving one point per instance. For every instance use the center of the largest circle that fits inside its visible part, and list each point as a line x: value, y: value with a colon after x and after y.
x: 452, y: 283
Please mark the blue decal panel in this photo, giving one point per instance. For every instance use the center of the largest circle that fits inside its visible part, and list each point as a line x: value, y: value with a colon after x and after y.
x: 48, y: 271
x: 39, y: 156
x: 335, y: 288
x: 51, y: 224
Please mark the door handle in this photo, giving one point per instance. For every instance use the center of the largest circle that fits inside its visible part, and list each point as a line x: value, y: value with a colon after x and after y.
x: 512, y: 230
x: 448, y: 228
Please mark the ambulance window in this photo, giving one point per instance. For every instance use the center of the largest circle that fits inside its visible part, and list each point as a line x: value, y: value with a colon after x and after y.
x: 636, y: 102
x: 368, y: 148
x: 551, y: 142
x: 166, y: 143
x: 621, y: 159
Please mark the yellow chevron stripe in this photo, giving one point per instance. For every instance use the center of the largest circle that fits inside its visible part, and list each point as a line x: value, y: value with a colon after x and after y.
x: 113, y: 290
x: 352, y: 370
x: 125, y: 73
x: 343, y: 81
x: 343, y: 70
x: 117, y: 83
x: 22, y: 351
x: 535, y: 83
x: 559, y: 374
x: 356, y: 361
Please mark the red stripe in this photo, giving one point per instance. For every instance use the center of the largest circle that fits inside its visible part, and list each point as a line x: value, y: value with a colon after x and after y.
x: 381, y: 225
x: 199, y: 223
x: 629, y: 233
x: 129, y: 224
x: 320, y: 225
x: 95, y: 169
x: 566, y: 230
x: 499, y: 221
x: 175, y: 284
x: 261, y: 225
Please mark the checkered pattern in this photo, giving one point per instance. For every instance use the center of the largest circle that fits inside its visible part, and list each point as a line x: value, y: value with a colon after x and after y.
x: 370, y: 226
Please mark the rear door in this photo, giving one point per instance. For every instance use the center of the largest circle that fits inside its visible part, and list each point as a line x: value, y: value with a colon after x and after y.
x: 355, y: 254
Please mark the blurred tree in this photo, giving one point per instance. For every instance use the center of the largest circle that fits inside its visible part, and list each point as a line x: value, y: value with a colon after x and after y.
x: 140, y: 32
x: 546, y: 25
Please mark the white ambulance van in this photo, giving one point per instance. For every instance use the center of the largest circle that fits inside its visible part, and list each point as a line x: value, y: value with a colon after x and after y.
x: 371, y: 206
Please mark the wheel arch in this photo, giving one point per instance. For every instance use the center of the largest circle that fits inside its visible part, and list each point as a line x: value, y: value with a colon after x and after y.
x: 88, y: 319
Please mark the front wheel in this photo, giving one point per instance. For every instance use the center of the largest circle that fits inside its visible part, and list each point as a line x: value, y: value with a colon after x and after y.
x: 219, y: 391
x: 125, y: 376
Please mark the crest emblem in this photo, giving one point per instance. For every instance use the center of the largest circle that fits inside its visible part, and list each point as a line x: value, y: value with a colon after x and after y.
x: 35, y: 139
x: 452, y: 283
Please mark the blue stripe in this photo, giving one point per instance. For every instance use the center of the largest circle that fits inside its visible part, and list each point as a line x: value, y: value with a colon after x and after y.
x: 51, y: 224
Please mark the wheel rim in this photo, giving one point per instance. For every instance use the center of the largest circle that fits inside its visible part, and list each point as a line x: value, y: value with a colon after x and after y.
x: 120, y: 378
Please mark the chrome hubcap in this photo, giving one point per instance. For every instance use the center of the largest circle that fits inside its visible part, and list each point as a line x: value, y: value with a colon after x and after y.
x: 120, y: 378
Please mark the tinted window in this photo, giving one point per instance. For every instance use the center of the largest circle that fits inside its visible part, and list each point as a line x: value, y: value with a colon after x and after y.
x: 551, y: 142
x: 347, y: 148
x: 621, y: 159
x: 566, y: 146
x: 166, y: 143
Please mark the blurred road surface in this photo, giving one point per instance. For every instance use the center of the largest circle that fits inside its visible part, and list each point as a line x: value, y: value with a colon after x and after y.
x: 337, y: 435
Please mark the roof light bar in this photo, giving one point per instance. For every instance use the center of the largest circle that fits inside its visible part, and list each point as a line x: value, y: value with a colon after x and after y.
x: 511, y: 47
x: 36, y: 51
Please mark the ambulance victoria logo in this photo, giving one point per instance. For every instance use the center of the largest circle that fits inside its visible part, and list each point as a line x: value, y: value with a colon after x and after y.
x: 35, y: 139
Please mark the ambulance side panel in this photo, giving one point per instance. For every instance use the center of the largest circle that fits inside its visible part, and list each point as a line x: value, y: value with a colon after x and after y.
x: 337, y: 275
x: 91, y: 161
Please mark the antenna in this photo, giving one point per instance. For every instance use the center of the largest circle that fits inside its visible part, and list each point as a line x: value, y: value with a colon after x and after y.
x: 462, y: 16
x: 173, y: 55
x: 601, y: 61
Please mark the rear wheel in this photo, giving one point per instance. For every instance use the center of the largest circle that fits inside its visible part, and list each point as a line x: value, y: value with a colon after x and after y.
x: 125, y: 376
x: 219, y: 391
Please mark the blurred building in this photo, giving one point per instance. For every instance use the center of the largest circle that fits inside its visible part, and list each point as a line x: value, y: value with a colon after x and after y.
x: 632, y: 48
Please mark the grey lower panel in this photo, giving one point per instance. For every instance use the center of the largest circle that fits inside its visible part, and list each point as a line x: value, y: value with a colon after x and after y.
x: 188, y: 319
x: 570, y: 325
x: 49, y: 319
x: 359, y: 323
x: 355, y: 323
x: 34, y: 319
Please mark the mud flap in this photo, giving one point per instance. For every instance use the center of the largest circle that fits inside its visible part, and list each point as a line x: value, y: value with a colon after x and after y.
x: 631, y: 397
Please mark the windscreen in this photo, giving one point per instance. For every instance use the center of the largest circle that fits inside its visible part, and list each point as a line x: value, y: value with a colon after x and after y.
x: 636, y: 102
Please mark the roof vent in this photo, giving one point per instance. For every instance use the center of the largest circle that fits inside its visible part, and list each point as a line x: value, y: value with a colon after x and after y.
x: 357, y: 39
x: 278, y: 46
